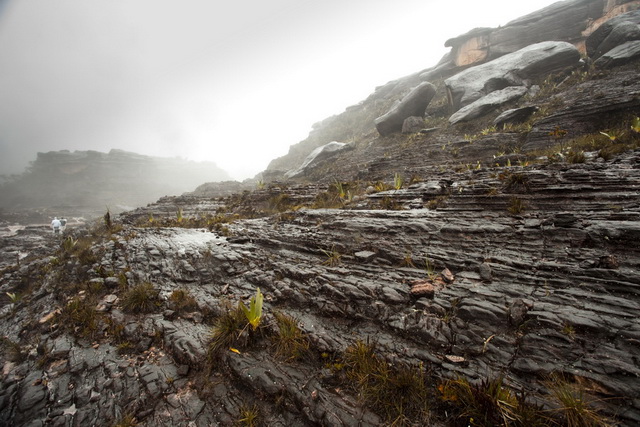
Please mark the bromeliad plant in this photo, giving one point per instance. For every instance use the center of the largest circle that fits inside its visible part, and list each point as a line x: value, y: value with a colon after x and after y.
x: 254, y: 312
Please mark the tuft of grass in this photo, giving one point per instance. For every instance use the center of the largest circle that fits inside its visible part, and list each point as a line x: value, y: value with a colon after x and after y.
x: 249, y: 416
x: 438, y: 202
x: 489, y: 403
x: 576, y: 157
x: 334, y: 258
x: 142, y: 298
x: 400, y: 395
x: 227, y: 330
x: 575, y: 406
x: 181, y: 300
x: 79, y: 316
x: 127, y: 420
x: 11, y: 350
x: 516, y: 206
x: 290, y: 343
x: 515, y: 182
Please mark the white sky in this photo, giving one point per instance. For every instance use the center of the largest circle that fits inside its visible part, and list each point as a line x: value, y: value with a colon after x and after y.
x: 233, y: 82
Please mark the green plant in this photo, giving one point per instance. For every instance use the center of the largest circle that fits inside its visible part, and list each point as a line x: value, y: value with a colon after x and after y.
x: 488, y: 131
x: 635, y: 124
x: 69, y: 244
x: 575, y: 406
x: 430, y: 269
x: 253, y: 313
x: 438, y: 202
x: 407, y: 261
x: 142, y: 298
x: 290, y: 343
x: 334, y: 258
x: 341, y: 190
x: 13, y: 297
x: 568, y: 330
x: 260, y: 184
x: 398, y: 181
x: 179, y: 216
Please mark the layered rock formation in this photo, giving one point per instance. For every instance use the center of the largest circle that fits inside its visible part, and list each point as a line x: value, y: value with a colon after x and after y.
x: 407, y: 265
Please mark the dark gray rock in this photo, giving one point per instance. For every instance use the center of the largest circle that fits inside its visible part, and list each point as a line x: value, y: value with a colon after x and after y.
x: 413, y: 104
x: 514, y: 69
x: 594, y: 43
x: 514, y: 115
x: 623, y: 32
x: 412, y: 124
x: 620, y: 55
x: 487, y: 104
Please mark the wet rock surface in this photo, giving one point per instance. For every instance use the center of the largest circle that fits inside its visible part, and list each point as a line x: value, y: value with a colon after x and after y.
x: 552, y: 289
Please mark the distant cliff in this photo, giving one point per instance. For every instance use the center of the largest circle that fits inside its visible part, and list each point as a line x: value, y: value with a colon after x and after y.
x: 91, y: 179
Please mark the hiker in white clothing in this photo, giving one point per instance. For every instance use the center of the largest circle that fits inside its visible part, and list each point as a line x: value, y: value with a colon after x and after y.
x: 56, y: 224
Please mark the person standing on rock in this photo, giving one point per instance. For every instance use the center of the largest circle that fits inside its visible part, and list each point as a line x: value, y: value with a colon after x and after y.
x: 56, y: 224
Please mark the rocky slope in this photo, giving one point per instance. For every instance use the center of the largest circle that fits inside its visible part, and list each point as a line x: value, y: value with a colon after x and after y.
x: 453, y: 274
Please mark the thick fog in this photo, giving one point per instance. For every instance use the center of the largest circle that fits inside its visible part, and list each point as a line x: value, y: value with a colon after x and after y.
x: 235, y: 83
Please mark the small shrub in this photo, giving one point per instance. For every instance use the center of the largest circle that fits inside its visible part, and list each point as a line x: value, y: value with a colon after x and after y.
x: 142, y: 298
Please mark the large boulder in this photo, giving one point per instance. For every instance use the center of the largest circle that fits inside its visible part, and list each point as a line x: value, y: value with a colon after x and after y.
x: 515, y: 69
x: 612, y: 33
x: 316, y: 156
x: 487, y: 104
x: 413, y: 104
x: 619, y: 55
